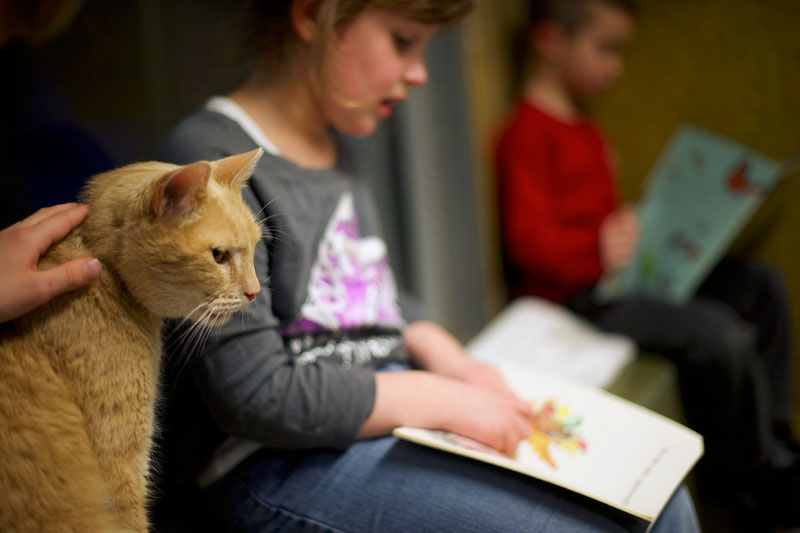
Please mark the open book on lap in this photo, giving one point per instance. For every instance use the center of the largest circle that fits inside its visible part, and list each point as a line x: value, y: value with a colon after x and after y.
x: 590, y: 442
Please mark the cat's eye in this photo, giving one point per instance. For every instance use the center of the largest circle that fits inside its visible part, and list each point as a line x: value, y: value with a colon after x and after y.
x: 220, y: 256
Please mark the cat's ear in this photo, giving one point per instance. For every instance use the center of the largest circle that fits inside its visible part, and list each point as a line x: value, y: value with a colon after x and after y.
x: 180, y: 192
x: 234, y: 170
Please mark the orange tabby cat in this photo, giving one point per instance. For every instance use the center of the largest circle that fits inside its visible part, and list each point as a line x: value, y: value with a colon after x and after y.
x: 78, y: 376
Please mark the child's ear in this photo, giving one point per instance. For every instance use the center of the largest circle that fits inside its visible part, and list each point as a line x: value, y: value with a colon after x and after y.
x: 547, y: 38
x: 304, y: 18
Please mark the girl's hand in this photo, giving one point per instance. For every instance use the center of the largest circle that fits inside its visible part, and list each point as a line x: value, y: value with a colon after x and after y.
x: 483, y: 375
x: 494, y: 418
x: 431, y: 401
x: 619, y: 234
x: 435, y: 350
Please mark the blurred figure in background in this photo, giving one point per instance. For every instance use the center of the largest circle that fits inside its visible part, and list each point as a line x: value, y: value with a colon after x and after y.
x: 45, y: 156
x: 562, y: 228
x: 43, y: 162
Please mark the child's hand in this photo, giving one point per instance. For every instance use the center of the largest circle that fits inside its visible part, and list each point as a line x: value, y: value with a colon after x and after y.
x: 619, y: 234
x: 435, y: 350
x: 426, y: 400
x: 493, y: 418
x: 484, y: 375
x: 22, y: 286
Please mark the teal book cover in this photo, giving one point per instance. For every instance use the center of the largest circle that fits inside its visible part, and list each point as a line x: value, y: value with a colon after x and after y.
x: 699, y: 195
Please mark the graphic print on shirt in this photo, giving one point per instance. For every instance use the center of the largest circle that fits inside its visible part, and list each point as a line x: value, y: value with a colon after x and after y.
x: 351, y: 287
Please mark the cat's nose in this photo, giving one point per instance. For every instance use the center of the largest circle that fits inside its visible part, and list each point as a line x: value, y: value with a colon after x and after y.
x: 252, y: 287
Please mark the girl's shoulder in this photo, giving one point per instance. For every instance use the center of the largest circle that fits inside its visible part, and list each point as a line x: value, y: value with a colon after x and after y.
x: 204, y: 135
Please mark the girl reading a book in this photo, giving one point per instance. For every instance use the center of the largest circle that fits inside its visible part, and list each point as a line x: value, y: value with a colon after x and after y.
x: 284, y: 417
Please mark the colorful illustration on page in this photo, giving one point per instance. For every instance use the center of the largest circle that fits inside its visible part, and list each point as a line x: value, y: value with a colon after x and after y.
x: 554, y: 426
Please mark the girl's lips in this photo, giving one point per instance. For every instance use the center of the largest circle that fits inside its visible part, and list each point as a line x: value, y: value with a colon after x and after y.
x: 385, y: 108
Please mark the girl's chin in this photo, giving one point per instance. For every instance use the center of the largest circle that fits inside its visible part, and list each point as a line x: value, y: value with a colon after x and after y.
x: 362, y: 128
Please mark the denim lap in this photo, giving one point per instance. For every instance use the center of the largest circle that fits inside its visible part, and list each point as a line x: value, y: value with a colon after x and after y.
x: 385, y: 485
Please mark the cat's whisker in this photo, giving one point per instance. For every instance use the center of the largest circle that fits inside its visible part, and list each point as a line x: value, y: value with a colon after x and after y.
x: 185, y: 341
x: 190, y: 313
x: 193, y: 339
x: 257, y: 216
x: 189, y: 335
x: 273, y: 231
x: 274, y: 199
x: 188, y: 342
x: 277, y: 234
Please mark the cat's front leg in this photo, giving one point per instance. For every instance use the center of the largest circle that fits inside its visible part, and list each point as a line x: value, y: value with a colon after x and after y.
x: 130, y: 497
x: 124, y: 462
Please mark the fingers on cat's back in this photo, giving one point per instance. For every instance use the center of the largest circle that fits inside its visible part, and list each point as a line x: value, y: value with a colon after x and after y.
x: 68, y: 276
x: 51, y: 226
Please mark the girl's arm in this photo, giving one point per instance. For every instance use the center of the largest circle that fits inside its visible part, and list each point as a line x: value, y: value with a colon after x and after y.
x: 433, y: 348
x: 427, y: 400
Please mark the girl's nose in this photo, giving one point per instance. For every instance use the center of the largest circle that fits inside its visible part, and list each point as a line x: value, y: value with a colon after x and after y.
x: 416, y: 73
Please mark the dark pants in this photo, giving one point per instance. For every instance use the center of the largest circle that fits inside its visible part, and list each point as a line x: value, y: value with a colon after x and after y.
x: 732, y: 349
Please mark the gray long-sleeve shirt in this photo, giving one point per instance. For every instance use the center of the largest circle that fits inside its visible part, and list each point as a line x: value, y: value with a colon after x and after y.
x: 297, y: 370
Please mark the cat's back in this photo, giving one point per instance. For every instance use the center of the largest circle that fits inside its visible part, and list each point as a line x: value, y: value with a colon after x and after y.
x: 77, y: 319
x: 52, y: 363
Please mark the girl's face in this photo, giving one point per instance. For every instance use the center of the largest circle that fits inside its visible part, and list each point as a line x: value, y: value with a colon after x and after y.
x: 376, y: 59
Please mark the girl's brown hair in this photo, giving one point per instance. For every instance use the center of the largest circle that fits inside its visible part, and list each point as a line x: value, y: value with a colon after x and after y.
x: 273, y: 37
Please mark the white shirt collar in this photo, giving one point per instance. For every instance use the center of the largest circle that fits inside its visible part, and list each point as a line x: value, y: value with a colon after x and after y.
x: 225, y: 106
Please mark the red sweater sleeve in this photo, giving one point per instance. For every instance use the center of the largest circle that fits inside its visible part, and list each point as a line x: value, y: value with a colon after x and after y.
x: 552, y: 201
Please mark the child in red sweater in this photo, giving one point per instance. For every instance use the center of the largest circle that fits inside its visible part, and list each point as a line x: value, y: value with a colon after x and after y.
x: 562, y: 228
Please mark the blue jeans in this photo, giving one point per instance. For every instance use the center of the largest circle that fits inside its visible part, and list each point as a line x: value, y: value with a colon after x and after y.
x: 386, y: 485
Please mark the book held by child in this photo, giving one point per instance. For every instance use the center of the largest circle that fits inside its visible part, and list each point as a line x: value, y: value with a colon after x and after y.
x: 701, y: 192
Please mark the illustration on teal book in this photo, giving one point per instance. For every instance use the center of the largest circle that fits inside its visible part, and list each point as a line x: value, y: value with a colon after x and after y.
x: 699, y: 195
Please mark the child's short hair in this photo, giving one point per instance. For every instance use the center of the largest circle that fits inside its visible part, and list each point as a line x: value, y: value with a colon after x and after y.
x: 273, y: 35
x: 573, y: 14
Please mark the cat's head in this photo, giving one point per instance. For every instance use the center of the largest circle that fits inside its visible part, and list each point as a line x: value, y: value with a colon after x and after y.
x: 181, y: 238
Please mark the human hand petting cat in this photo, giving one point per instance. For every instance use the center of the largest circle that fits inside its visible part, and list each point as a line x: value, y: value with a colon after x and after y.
x: 22, y: 286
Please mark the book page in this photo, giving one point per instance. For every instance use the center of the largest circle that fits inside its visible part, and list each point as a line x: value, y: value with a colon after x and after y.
x: 550, y: 339
x: 588, y: 441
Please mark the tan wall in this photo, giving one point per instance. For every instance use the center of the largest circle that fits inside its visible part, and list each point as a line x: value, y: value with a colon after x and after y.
x: 732, y: 66
x: 488, y: 34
